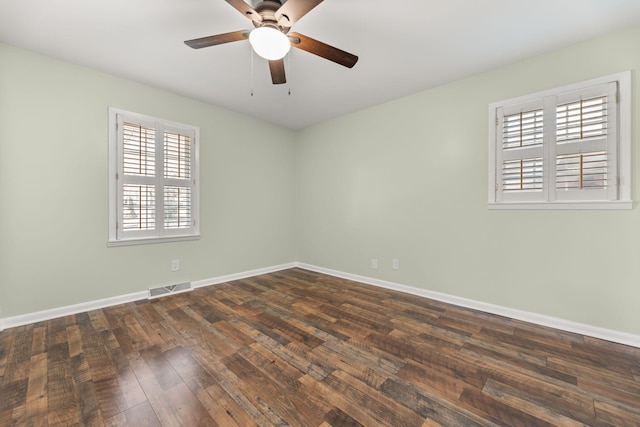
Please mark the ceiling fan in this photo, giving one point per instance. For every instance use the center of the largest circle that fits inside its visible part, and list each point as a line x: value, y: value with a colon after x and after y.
x: 271, y: 38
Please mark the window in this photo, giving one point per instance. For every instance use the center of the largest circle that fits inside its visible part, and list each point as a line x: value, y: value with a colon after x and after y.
x: 153, y: 186
x: 566, y: 148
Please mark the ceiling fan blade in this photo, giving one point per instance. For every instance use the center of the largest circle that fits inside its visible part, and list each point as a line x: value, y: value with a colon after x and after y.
x: 322, y: 49
x: 245, y: 9
x: 277, y: 71
x: 293, y: 10
x: 234, y: 36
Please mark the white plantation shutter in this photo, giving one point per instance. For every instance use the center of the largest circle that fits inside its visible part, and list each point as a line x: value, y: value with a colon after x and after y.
x: 582, y: 171
x: 138, y: 207
x: 177, y: 207
x: 138, y: 170
x: 522, y: 175
x: 585, y: 144
x: 177, y: 176
x: 520, y: 152
x: 563, y: 146
x: 138, y: 150
x: 154, y: 166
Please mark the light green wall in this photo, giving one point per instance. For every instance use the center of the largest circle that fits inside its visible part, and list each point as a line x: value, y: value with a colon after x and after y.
x: 408, y: 180
x: 53, y: 188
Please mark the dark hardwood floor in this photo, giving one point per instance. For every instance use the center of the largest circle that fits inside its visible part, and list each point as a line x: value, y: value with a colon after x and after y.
x: 303, y: 349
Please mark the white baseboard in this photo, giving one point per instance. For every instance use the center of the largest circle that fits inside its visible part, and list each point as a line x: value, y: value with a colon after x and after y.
x: 38, y: 316
x: 243, y: 275
x: 538, y: 319
x: 25, y: 319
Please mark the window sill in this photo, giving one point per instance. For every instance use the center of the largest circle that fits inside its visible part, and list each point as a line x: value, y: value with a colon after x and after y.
x: 151, y: 240
x: 564, y: 205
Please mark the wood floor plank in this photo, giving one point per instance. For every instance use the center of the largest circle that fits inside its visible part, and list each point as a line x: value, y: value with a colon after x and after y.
x: 5, y: 417
x: 227, y: 382
x: 222, y: 408
x: 337, y: 418
x: 551, y: 412
x: 384, y: 409
x: 85, y: 394
x: 282, y: 351
x: 226, y: 329
x: 498, y: 412
x: 62, y: 408
x: 357, y: 368
x: 14, y: 394
x: 118, y: 420
x: 35, y: 413
x: 571, y: 401
x: 18, y: 416
x: 37, y: 380
x: 300, y: 348
x: 7, y: 339
x: 431, y: 380
x: 275, y: 402
x: 108, y: 395
x: 436, y: 408
x: 153, y: 391
x: 162, y: 370
x: 262, y: 358
x: 319, y: 391
x: 142, y: 415
x: 187, y: 406
x: 617, y: 414
x: 19, y: 355
x: 39, y: 343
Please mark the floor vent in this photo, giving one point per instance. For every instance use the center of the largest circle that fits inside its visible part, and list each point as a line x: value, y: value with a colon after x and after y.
x: 169, y: 290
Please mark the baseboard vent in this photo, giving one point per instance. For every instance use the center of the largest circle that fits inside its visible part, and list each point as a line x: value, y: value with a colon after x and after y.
x: 170, y: 289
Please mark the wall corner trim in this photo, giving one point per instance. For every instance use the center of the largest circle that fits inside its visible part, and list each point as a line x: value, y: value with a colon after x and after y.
x: 538, y: 319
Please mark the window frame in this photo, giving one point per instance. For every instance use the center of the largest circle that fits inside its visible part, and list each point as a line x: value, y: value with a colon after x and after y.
x: 117, y: 236
x: 622, y: 133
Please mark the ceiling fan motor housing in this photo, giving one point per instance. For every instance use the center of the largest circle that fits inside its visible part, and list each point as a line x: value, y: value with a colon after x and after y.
x: 278, y: 15
x: 267, y: 10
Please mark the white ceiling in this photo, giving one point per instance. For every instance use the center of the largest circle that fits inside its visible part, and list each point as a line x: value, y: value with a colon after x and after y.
x: 404, y: 46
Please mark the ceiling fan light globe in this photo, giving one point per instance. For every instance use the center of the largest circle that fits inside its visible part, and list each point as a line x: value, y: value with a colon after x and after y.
x: 269, y: 43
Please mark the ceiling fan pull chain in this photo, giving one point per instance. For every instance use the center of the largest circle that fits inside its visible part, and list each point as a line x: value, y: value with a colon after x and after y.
x: 251, y: 53
x: 289, y: 71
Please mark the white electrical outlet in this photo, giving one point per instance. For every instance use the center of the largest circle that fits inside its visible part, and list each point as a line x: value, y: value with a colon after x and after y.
x: 396, y: 264
x: 374, y: 263
x: 175, y: 264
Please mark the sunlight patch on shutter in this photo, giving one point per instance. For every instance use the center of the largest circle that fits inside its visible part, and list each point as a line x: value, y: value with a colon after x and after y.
x: 138, y: 150
x: 138, y: 212
x: 522, y: 175
x: 585, y: 118
x: 523, y: 129
x: 581, y: 171
x: 177, y: 155
x: 177, y: 207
